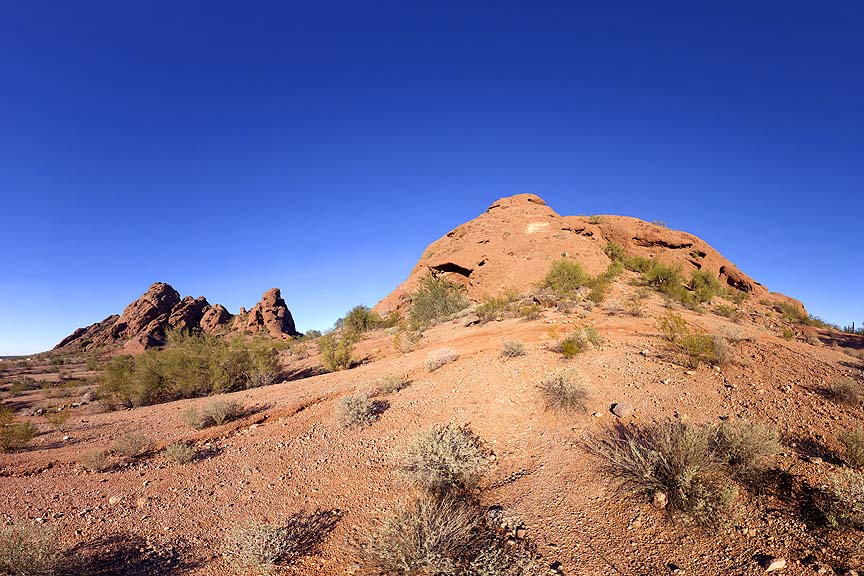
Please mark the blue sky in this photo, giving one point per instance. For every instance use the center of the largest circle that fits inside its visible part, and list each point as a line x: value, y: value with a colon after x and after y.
x: 229, y: 147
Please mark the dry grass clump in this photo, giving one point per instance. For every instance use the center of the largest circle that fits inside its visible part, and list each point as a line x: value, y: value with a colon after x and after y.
x: 692, y: 465
x: 445, y: 459
x: 745, y: 447
x: 853, y: 447
x: 96, y: 461
x: 131, y: 444
x: 512, y: 349
x: 564, y: 391
x: 57, y: 418
x: 394, y: 382
x: 529, y: 310
x: 439, y: 358
x: 263, y: 548
x: 697, y: 347
x: 846, y: 391
x: 29, y: 550
x: 571, y: 345
x: 215, y: 413
x: 356, y: 411
x: 431, y: 535
x: 180, y: 452
x: 842, y: 502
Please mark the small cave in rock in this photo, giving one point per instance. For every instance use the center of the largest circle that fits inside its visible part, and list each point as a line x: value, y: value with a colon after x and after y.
x: 452, y: 267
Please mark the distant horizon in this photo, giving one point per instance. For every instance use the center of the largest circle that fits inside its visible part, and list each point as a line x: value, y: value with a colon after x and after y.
x: 321, y: 148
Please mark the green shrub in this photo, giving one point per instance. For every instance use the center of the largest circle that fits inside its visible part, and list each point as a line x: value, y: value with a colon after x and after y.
x: 180, y: 452
x: 571, y: 345
x: 490, y: 309
x: 336, y: 351
x: 853, y: 447
x: 602, y: 283
x: 615, y: 252
x: 704, y: 285
x: 190, y: 365
x: 565, y: 277
x: 436, y: 300
x: 131, y: 444
x: 529, y: 311
x: 356, y: 411
x: 842, y: 502
x: 429, y: 536
x: 29, y: 550
x: 675, y: 459
x: 512, y: 349
x: 564, y: 391
x: 698, y: 348
x: 638, y: 264
x: 438, y: 358
x: 728, y: 312
x: 663, y: 278
x: 14, y: 435
x: 446, y: 458
x: 360, y: 319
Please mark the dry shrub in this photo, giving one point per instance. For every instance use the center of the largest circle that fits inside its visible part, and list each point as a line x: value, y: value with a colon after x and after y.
x: 564, y: 391
x: 263, y: 548
x: 431, y: 535
x: 446, y: 458
x: 439, y: 358
x: 222, y: 411
x: 745, y: 447
x: 390, y: 383
x: 673, y: 326
x: 29, y: 550
x: 529, y: 310
x: 356, y: 411
x: 512, y: 349
x: 96, y: 461
x: 842, y: 502
x: 131, y: 444
x: 846, y: 391
x: 57, y: 418
x: 677, y: 459
x: 180, y: 452
x: 853, y: 447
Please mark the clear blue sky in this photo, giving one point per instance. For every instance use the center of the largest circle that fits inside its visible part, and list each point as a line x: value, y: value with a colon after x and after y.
x: 319, y: 146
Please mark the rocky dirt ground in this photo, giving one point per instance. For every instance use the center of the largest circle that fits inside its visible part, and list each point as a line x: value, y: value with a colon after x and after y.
x: 290, y: 454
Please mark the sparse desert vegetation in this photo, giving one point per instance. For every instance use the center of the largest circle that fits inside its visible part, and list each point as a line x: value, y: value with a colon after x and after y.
x: 564, y: 391
x: 439, y: 358
x: 445, y: 459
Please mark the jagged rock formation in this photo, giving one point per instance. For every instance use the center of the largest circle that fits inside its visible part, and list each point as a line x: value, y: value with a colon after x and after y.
x: 514, y: 242
x: 145, y: 322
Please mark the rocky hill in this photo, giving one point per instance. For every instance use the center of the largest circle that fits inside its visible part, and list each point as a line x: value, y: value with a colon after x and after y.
x: 512, y: 245
x: 145, y: 322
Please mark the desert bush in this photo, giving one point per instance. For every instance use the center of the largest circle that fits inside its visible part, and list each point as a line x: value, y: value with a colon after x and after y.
x: 406, y: 337
x: 429, y: 536
x: 529, y: 310
x: 842, y: 502
x: 190, y: 365
x: 23, y: 384
x: 29, y: 550
x: 394, y: 382
x: 221, y: 411
x: 565, y: 277
x: 13, y: 435
x: 96, y: 461
x: 846, y: 391
x: 790, y: 312
x: 673, y: 458
x: 436, y: 300
x: 445, y: 459
x: 615, y: 252
x: 673, y: 326
x: 360, y: 319
x: 727, y: 311
x: 853, y: 447
x: 564, y: 391
x: 56, y: 418
x: 592, y: 335
x: 745, y: 447
x: 512, y: 349
x: 440, y: 357
x: 490, y: 309
x: 130, y: 444
x: 602, y: 283
x: 698, y: 349
x: 356, y: 411
x: 571, y: 345
x: 704, y: 285
x: 336, y: 351
x: 180, y: 452
x: 664, y: 278
x: 787, y: 333
x: 263, y: 548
